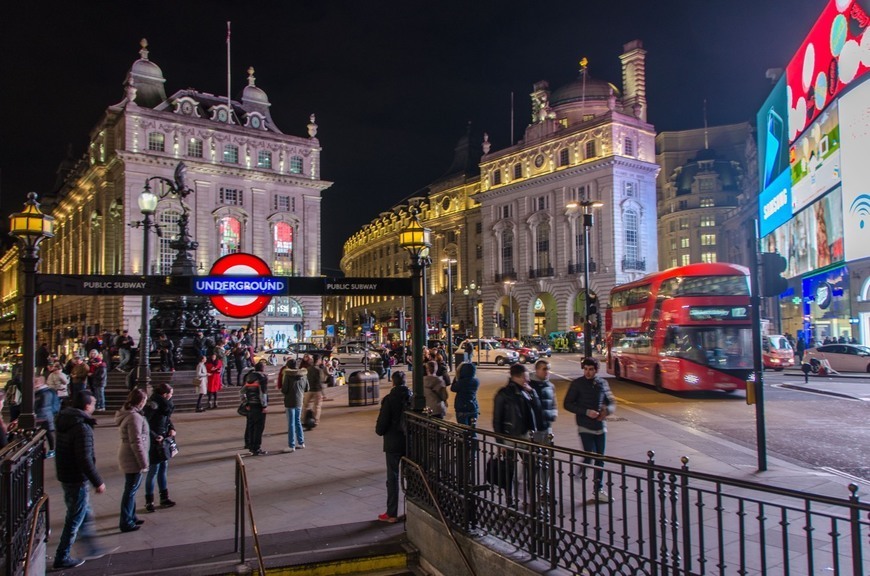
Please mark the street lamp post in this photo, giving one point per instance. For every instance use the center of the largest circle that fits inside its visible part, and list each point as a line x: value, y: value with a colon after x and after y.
x: 508, y: 285
x: 148, y: 206
x: 450, y: 262
x: 416, y: 240
x: 30, y: 226
x: 587, y: 225
x: 472, y: 291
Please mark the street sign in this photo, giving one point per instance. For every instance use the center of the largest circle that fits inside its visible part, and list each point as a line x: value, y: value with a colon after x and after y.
x: 240, y: 264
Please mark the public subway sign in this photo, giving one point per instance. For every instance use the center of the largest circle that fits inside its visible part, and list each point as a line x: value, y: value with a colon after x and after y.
x: 245, y: 285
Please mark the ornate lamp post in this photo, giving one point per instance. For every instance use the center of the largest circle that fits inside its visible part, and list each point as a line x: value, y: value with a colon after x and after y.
x: 587, y: 225
x: 30, y: 226
x: 450, y: 262
x: 148, y: 206
x: 472, y: 291
x: 416, y: 240
x: 508, y: 285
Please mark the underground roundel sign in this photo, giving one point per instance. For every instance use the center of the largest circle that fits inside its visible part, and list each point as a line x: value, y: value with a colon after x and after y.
x: 240, y: 264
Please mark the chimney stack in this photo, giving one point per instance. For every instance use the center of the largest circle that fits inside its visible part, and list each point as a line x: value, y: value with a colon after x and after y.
x: 634, y: 79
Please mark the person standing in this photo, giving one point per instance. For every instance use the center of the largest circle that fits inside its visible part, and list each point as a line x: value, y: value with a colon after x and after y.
x: 465, y: 389
x: 46, y: 406
x: 239, y: 355
x: 158, y: 412
x: 58, y: 381
x: 132, y: 455
x: 78, y: 376
x: 294, y: 384
x: 590, y: 399
x: 41, y: 359
x: 125, y: 349
x: 435, y: 391
x: 201, y: 381
x: 167, y: 353
x: 391, y: 426
x: 256, y: 394
x: 13, y: 392
x: 469, y: 351
x: 547, y: 394
x: 97, y: 377
x: 76, y: 467
x: 314, y: 396
x: 214, y: 368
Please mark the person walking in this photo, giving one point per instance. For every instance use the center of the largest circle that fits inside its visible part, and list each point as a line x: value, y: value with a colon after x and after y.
x: 547, y: 394
x: 435, y: 391
x: 58, y: 381
x: 125, y: 350
x: 294, y: 384
x: 314, y: 397
x: 158, y: 412
x: 132, y: 455
x: 214, y: 368
x: 76, y: 467
x: 589, y: 398
x: 256, y: 395
x: 391, y: 426
x: 465, y: 389
x: 201, y: 382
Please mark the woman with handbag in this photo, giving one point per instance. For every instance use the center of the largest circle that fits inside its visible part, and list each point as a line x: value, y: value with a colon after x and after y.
x: 200, y: 382
x: 158, y: 413
x: 132, y: 455
x: 214, y: 368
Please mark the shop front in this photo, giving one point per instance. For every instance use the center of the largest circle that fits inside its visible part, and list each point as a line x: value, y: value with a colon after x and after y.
x: 827, y: 307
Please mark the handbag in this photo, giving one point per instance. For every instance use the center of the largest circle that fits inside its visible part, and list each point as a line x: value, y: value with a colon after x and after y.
x: 243, y: 408
x: 170, y: 447
x: 498, y: 472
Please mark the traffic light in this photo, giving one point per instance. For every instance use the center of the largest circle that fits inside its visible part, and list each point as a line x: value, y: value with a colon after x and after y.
x: 772, y: 267
x: 592, y: 307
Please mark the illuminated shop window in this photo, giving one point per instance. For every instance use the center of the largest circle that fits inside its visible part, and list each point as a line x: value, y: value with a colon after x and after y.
x: 229, y: 235
x: 282, y: 248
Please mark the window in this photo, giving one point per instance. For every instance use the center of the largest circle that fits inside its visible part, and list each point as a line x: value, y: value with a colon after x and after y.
x: 629, y: 189
x: 507, y: 251
x: 590, y: 149
x: 708, y: 257
x: 542, y: 242
x: 169, y: 231
x: 684, y: 204
x: 706, y: 184
x: 194, y: 148
x: 673, y: 243
x: 673, y: 262
x: 496, y: 177
x: 628, y: 147
x: 296, y: 165
x: 707, y: 202
x: 563, y: 157
x: 264, y: 159
x: 542, y: 203
x: 451, y: 236
x: 231, y: 196
x: 518, y: 171
x: 156, y: 141
x: 684, y: 260
x: 478, y: 227
x: 478, y: 251
x: 282, y: 248
x: 707, y: 221
x: 231, y: 154
x: 506, y: 211
x: 708, y: 239
x: 631, y: 222
x: 684, y: 242
x: 684, y: 224
x: 229, y: 235
x: 282, y: 203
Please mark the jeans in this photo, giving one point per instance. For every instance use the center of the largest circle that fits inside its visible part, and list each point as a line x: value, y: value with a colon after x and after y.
x: 254, y: 428
x: 79, y: 517
x: 295, y: 437
x: 100, y: 395
x: 393, y: 460
x: 466, y: 417
x: 159, y: 470
x: 594, y: 443
x: 128, y: 499
x: 125, y: 358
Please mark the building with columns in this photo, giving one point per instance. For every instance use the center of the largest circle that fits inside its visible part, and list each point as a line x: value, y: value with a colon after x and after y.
x: 256, y: 190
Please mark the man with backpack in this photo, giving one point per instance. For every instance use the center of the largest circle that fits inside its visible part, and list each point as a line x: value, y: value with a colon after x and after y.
x: 391, y: 426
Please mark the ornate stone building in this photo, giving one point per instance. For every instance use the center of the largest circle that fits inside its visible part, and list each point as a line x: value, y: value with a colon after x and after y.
x: 256, y: 190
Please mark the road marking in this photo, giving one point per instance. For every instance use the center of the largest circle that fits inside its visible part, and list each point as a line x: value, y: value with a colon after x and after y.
x: 845, y: 475
x: 800, y: 387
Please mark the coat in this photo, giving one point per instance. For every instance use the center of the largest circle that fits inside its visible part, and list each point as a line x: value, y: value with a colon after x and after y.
x: 294, y: 384
x: 135, y: 440
x: 514, y: 415
x: 549, y: 406
x: 214, y: 369
x: 75, y: 460
x: 435, y: 392
x: 158, y: 412
x: 390, y: 419
x: 465, y: 388
x: 201, y: 378
x: 586, y: 395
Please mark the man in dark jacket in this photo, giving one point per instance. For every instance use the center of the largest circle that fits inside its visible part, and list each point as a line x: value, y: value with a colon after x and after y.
x: 590, y: 399
x: 547, y: 394
x: 294, y: 385
x: 391, y: 426
x: 313, y: 399
x: 76, y: 467
x: 255, y: 392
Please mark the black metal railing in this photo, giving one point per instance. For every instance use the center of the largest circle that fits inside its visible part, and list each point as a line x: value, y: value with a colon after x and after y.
x: 578, y: 268
x: 23, y: 509
x: 504, y: 276
x: 654, y: 520
x: 243, y: 504
x: 634, y: 264
x: 541, y: 272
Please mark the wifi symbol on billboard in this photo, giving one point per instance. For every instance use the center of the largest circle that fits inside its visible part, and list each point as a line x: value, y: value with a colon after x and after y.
x: 861, y: 207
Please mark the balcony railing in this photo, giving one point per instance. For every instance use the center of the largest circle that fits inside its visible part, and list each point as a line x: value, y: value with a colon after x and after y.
x: 578, y: 268
x: 505, y: 276
x: 634, y: 264
x: 541, y: 272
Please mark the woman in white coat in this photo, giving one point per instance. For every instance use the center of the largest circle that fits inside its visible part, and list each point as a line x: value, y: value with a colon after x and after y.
x: 201, y: 383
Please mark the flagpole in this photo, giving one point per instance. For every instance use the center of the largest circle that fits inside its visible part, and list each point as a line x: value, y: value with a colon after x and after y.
x: 229, y: 82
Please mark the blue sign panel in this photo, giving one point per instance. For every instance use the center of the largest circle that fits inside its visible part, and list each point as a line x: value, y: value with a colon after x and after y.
x: 774, y: 204
x: 240, y: 286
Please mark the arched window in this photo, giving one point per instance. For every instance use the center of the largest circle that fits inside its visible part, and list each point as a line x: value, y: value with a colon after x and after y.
x: 282, y: 248
x: 631, y: 221
x: 507, y: 252
x: 229, y: 235
x: 542, y: 243
x: 169, y: 232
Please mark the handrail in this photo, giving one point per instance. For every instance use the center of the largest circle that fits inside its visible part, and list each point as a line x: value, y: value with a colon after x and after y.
x: 43, y: 502
x: 419, y: 470
x: 243, y: 497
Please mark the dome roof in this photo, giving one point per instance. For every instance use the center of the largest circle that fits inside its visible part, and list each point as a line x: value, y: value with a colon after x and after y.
x: 145, y: 69
x: 707, y: 161
x: 251, y: 94
x: 574, y: 92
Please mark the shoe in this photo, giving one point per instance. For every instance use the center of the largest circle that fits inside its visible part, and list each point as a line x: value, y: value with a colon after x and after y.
x: 200, y: 409
x: 165, y: 502
x: 149, y: 503
x: 138, y: 522
x: 288, y: 450
x: 300, y: 446
x: 215, y: 406
x: 99, y: 553
x: 68, y: 563
x: 132, y: 528
x: 49, y: 454
x: 387, y: 518
x: 602, y: 496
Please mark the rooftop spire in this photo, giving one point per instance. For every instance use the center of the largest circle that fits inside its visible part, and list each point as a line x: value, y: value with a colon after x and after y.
x: 251, y: 78
x: 706, y: 140
x: 143, y: 53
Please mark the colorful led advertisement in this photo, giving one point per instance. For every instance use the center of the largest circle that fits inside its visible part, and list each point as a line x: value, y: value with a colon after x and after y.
x: 774, y: 204
x: 834, y: 54
x: 855, y: 133
x: 814, y: 159
x: 772, y: 134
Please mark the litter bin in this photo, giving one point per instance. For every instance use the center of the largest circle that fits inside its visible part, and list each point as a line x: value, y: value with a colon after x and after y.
x: 362, y: 388
x: 377, y: 365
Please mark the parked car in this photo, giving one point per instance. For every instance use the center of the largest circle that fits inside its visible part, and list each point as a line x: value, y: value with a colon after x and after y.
x: 490, y: 352
x: 841, y: 357
x: 301, y: 348
x: 273, y: 356
x: 355, y: 356
x: 526, y: 354
x: 776, y: 352
x: 540, y: 344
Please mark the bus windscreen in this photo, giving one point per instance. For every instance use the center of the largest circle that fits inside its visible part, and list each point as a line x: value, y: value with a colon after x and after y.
x: 720, y: 347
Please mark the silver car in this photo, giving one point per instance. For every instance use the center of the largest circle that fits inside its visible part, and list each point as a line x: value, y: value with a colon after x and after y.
x: 841, y: 357
x: 491, y: 352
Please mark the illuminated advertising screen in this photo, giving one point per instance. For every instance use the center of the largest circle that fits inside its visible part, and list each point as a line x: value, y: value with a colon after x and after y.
x: 814, y: 159
x: 834, y: 54
x: 855, y: 134
x: 774, y: 204
x: 772, y: 134
x: 813, y: 238
x: 826, y: 295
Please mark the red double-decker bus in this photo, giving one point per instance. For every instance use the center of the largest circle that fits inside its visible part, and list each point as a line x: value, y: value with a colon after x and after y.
x: 687, y: 328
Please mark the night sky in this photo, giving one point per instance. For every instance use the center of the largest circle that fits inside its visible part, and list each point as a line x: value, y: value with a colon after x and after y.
x: 393, y: 84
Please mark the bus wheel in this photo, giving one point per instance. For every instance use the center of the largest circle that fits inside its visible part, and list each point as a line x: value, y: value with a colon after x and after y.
x: 617, y: 370
x: 657, y: 380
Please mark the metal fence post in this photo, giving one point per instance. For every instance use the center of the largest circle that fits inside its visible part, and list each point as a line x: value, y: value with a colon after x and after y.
x: 652, y: 516
x: 855, y: 522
